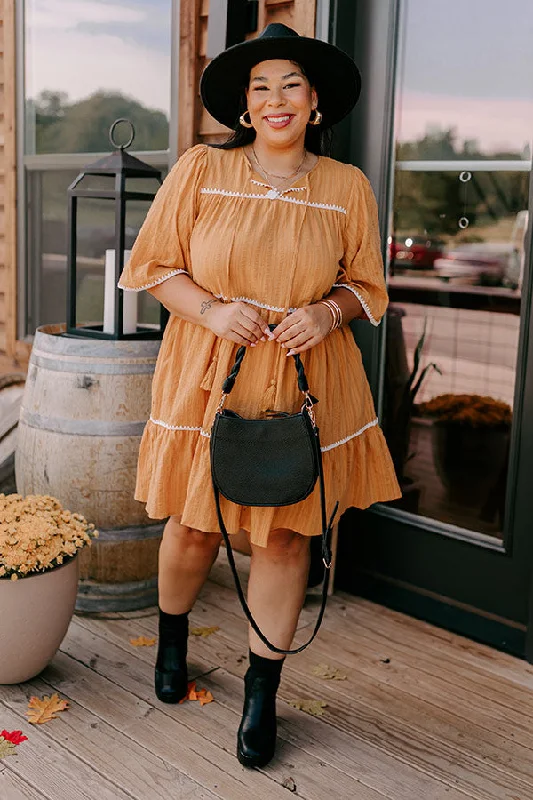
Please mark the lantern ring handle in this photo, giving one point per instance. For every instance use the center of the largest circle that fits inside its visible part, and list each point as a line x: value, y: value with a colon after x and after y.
x: 112, y: 130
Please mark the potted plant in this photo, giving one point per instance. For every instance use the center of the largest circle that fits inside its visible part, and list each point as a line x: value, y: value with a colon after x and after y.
x: 39, y: 541
x: 402, y: 386
x: 471, y: 437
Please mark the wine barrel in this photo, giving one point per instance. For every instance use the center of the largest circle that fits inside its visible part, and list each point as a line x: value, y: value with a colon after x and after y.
x: 84, y: 408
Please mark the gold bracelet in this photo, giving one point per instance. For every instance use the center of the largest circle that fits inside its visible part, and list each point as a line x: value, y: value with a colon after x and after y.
x: 331, y: 311
x: 336, y: 313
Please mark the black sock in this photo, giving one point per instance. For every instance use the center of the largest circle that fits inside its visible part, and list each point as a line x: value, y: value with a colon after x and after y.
x: 175, y: 626
x: 266, y: 666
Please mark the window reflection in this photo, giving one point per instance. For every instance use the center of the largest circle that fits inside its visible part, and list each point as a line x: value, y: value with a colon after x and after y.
x: 465, y: 76
x: 89, y: 62
x: 456, y: 256
x: 48, y: 197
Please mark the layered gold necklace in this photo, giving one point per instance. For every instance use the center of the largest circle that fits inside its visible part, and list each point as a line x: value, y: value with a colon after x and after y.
x: 268, y: 174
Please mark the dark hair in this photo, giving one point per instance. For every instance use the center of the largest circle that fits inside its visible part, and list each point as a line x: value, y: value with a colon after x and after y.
x: 318, y: 139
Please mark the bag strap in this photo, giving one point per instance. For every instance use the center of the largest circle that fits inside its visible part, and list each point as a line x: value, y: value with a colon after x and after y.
x: 326, y: 558
x: 229, y: 383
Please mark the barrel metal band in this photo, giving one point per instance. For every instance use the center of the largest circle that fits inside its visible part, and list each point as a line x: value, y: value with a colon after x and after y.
x: 82, y: 427
x: 135, y: 533
x: 93, y: 367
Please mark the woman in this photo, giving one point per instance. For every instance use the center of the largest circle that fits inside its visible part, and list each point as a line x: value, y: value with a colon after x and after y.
x: 261, y: 231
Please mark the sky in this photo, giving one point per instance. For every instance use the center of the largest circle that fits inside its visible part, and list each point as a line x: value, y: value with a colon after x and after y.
x: 80, y: 46
x: 468, y: 64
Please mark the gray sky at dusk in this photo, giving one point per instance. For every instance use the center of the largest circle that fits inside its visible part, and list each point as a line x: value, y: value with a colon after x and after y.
x: 468, y: 64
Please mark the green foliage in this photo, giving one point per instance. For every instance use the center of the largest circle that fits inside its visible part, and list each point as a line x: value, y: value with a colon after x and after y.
x: 400, y: 408
x: 83, y: 126
x: 430, y: 203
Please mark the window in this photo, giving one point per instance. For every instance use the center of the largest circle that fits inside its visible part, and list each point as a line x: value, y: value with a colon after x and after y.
x: 86, y: 63
x: 456, y: 254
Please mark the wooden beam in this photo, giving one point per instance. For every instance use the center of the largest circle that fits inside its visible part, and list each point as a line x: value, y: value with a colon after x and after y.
x: 10, y: 179
x: 190, y: 27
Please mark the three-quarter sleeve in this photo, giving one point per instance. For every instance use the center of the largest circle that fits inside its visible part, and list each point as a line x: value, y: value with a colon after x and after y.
x: 361, y: 267
x: 161, y: 249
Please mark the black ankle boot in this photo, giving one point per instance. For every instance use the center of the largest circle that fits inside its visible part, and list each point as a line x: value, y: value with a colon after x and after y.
x: 256, y: 739
x: 171, y: 664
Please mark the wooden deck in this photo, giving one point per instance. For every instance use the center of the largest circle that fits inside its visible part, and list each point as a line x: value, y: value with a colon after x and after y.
x: 422, y: 715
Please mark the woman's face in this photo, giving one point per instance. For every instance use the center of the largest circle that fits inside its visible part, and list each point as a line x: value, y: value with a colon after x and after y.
x: 280, y: 101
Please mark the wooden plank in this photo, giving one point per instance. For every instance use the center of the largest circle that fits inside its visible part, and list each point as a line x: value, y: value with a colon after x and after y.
x: 128, y: 685
x: 12, y: 787
x: 49, y: 768
x: 419, y: 635
x: 217, y: 724
x: 110, y: 753
x: 440, y: 679
x: 8, y: 253
x: 432, y: 739
x: 402, y: 716
x: 188, y: 74
x: 304, y: 17
x: 362, y: 761
x: 332, y: 755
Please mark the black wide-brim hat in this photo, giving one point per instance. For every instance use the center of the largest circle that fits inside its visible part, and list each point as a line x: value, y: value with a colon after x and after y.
x: 330, y: 70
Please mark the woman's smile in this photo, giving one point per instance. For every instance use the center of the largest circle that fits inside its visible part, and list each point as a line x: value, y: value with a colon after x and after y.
x: 277, y: 121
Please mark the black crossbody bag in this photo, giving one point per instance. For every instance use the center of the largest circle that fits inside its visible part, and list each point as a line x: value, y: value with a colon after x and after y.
x: 269, y: 462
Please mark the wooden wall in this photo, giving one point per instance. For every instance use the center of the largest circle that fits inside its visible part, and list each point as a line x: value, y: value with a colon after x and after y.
x: 195, y: 124
x: 8, y: 264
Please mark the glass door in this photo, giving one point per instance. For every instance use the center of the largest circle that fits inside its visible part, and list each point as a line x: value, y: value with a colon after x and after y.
x: 454, y: 389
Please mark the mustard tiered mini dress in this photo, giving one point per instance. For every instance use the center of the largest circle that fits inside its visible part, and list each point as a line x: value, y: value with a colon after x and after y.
x: 216, y: 220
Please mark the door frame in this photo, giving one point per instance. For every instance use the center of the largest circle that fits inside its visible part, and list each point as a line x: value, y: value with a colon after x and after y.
x: 424, y: 567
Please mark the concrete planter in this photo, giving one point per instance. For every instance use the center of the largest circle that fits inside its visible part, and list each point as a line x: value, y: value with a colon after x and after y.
x: 36, y: 612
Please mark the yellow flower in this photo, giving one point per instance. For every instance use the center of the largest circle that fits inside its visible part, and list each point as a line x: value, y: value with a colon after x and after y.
x: 36, y: 534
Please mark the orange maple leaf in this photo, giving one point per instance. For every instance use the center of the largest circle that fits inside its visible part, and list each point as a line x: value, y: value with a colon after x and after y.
x: 203, y: 695
x: 44, y: 710
x: 206, y: 698
x: 142, y: 641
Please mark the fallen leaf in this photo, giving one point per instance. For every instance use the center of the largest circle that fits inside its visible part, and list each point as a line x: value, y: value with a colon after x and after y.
x: 289, y: 784
x: 7, y: 748
x: 44, y: 710
x: 15, y: 737
x: 191, y: 692
x: 206, y: 698
x: 204, y: 631
x: 313, y: 707
x: 142, y: 641
x: 328, y: 673
x: 203, y: 695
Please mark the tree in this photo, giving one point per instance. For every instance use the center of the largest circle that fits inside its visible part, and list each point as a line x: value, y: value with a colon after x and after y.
x: 83, y: 126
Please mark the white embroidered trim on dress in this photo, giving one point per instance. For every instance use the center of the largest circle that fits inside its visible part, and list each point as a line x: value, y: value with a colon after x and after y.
x: 352, y: 436
x: 175, y: 427
x: 292, y: 189
x: 207, y: 435
x: 154, y: 283
x: 253, y: 303
x: 363, y: 302
x: 227, y: 193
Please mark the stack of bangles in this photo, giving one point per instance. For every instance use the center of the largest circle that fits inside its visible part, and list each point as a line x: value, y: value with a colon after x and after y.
x: 335, y: 311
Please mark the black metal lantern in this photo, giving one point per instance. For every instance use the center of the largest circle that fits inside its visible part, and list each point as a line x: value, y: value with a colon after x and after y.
x: 115, y: 170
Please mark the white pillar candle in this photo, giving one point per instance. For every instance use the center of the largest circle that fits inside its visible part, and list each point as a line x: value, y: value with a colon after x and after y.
x: 129, y: 316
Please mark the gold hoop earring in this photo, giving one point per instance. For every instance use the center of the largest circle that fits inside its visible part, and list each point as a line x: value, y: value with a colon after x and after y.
x: 243, y: 121
x: 317, y: 118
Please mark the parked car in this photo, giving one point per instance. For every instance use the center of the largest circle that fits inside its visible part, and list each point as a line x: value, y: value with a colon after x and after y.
x: 475, y: 264
x: 414, y: 252
x: 487, y: 263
